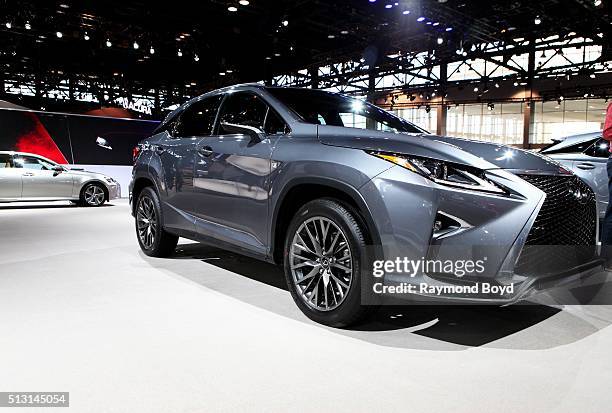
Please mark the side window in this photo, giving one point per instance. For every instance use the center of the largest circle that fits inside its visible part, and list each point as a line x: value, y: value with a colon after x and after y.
x: 274, y: 124
x: 242, y: 108
x: 6, y: 161
x: 198, y: 119
x: 599, y: 149
x: 30, y: 162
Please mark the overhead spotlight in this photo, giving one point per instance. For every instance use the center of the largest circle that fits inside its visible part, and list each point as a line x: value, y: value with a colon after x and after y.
x: 277, y: 54
x: 497, y: 85
x: 433, y: 94
x: 27, y: 25
x: 388, y: 6
x: 597, y: 3
x: 86, y: 36
x: 244, y: 2
x: 420, y: 19
x: 515, y: 83
x: 221, y: 73
x: 229, y: 71
x: 592, y: 76
x: 436, y: 24
x: 136, y: 46
x: 9, y: 25
x: 268, y: 58
x: 476, y: 89
x: 345, y: 32
x: 196, y: 58
x: 537, y: 20
x: 285, y: 23
x: 179, y: 53
x: 464, y: 53
x: 440, y: 40
x: 108, y: 43
x: 59, y: 35
x: 405, y: 12
x: 331, y: 36
x: 232, y: 8
x: 449, y: 29
x: 152, y: 50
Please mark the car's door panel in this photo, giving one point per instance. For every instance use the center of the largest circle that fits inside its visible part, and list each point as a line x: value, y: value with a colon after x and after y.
x: 40, y: 181
x: 232, y: 174
x: 10, y: 179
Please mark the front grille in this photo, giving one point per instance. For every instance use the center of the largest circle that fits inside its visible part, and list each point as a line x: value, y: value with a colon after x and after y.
x: 563, y: 235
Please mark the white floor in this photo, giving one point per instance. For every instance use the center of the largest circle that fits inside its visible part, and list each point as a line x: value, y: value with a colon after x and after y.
x: 82, y: 310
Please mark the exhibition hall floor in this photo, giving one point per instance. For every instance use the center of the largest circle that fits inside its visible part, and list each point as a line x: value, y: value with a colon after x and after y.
x: 83, y: 310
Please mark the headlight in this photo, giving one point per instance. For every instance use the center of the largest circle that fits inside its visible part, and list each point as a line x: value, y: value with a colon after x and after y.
x: 444, y: 173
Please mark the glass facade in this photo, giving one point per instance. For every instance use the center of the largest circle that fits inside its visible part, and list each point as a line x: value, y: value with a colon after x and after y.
x: 503, y: 122
x: 570, y: 117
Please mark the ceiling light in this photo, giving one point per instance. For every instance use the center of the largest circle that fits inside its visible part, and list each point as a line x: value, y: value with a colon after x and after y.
x: 277, y: 54
x: 440, y: 40
x: 8, y: 25
x: 344, y: 32
x: 285, y: 23
x: 222, y: 73
x: 420, y: 19
x: 244, y: 2
x: 268, y: 58
x: 331, y: 36
x: 196, y: 58
x: 436, y: 24
x: 449, y: 29
x: 388, y: 6
x: 152, y: 50
x: 229, y: 71
x: 406, y: 12
x: 496, y: 85
x: 136, y: 46
x: 108, y: 43
x: 476, y: 89
x: 597, y: 3
x: 232, y: 8
x: 27, y: 26
x: 537, y: 20
x: 86, y: 36
x: 59, y: 35
x: 179, y: 53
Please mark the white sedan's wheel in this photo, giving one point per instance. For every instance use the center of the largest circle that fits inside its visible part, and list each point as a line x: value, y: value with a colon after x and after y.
x: 93, y: 195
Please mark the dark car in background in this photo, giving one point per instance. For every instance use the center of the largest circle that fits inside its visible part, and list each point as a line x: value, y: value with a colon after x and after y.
x: 322, y: 183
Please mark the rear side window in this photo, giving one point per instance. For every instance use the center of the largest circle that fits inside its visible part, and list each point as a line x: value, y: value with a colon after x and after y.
x: 6, y: 161
x: 198, y: 119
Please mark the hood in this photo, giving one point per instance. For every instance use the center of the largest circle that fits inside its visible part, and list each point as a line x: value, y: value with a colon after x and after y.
x: 481, y: 155
x: 89, y: 174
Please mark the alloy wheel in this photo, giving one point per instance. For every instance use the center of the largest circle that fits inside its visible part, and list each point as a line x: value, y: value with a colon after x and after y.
x: 94, y: 195
x: 146, y: 222
x: 321, y: 263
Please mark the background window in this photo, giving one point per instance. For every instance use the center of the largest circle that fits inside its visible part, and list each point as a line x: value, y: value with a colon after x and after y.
x: 199, y: 118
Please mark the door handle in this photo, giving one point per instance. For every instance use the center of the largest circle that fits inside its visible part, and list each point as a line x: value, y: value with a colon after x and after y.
x: 585, y: 166
x: 27, y: 174
x: 205, y: 151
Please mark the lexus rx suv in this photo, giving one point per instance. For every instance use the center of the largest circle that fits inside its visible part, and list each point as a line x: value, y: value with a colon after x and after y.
x: 30, y: 177
x: 330, y: 186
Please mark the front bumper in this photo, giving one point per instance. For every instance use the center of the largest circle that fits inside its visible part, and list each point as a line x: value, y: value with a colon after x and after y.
x: 404, y: 207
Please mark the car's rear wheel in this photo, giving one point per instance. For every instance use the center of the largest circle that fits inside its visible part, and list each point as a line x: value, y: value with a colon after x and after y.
x: 92, y: 195
x: 152, y: 238
x: 324, y: 252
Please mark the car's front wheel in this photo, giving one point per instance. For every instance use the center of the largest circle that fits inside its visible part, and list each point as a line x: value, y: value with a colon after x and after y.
x: 153, y: 239
x: 323, y: 254
x: 92, y: 195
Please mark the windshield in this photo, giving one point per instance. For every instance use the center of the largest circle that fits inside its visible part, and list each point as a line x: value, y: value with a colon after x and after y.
x: 324, y: 108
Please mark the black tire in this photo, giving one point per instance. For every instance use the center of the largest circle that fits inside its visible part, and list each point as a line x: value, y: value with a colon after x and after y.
x: 87, y: 200
x: 349, y: 310
x: 162, y: 243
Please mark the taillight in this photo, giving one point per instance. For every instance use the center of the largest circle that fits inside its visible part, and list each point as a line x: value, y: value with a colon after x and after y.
x: 135, y: 153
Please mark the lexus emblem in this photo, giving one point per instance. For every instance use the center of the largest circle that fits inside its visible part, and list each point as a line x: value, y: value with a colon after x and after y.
x: 577, y: 192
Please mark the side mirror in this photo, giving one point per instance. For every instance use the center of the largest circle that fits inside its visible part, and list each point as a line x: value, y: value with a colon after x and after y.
x: 256, y: 134
x: 58, y: 168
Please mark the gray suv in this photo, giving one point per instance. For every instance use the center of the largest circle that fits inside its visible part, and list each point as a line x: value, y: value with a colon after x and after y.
x: 326, y: 185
